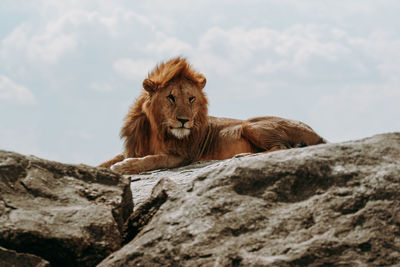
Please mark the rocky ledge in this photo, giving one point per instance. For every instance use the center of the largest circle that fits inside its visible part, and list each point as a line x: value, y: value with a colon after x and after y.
x: 58, y: 214
x: 325, y: 205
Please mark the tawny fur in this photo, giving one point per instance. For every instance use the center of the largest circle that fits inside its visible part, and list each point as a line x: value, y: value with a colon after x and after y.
x: 168, y: 126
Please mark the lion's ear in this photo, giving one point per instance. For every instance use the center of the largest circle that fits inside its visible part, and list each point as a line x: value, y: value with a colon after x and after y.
x: 201, y: 80
x: 149, y: 86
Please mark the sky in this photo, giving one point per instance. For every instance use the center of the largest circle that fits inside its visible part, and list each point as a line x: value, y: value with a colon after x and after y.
x: 69, y: 70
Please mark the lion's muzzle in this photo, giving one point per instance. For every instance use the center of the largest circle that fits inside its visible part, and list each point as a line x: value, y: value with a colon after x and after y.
x: 180, y: 133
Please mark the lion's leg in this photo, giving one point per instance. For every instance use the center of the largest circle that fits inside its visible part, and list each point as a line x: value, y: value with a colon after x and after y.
x: 148, y: 163
x: 109, y: 163
x: 273, y: 133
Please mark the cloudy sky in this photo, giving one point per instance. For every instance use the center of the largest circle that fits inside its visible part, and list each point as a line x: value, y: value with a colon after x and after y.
x: 69, y: 70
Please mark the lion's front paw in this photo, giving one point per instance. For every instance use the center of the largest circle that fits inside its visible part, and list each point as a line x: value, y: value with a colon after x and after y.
x: 127, y: 166
x: 117, y: 167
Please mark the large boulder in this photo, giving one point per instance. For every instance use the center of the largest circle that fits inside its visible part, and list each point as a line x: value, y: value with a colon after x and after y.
x: 68, y: 215
x: 332, y: 204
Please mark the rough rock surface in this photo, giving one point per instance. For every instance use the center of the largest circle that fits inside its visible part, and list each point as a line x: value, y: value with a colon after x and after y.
x: 143, y: 184
x: 66, y: 214
x: 332, y: 204
x: 13, y: 258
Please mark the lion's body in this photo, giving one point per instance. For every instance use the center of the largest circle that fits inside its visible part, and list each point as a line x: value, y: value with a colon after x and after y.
x: 168, y: 126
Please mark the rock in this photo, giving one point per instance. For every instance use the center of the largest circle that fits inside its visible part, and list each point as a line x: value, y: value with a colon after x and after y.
x: 66, y: 214
x: 325, y: 205
x: 13, y: 258
x: 142, y: 185
x: 161, y: 192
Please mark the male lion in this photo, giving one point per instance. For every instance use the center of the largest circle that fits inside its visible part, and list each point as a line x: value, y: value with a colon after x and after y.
x: 168, y: 126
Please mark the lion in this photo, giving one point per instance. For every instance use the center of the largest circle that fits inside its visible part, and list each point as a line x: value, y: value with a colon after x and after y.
x: 168, y: 126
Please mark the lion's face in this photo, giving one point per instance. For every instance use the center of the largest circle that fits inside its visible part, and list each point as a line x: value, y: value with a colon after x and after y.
x: 179, y: 107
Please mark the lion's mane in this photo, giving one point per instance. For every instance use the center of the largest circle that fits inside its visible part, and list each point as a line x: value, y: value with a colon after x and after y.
x: 143, y: 131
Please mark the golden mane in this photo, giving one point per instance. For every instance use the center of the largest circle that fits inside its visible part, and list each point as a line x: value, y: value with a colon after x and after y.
x: 174, y: 68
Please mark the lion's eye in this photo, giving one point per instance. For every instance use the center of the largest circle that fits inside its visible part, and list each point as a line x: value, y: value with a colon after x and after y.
x: 171, y: 98
x: 192, y: 99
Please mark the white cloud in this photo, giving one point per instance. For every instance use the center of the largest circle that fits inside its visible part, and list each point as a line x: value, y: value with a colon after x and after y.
x: 46, y: 46
x: 11, y: 91
x: 49, y: 48
x: 384, y: 48
x: 133, y: 69
x: 301, y: 53
x: 56, y: 36
x: 167, y: 47
x: 272, y: 49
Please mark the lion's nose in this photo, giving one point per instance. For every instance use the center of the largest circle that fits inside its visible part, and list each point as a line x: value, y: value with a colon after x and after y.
x: 183, y: 121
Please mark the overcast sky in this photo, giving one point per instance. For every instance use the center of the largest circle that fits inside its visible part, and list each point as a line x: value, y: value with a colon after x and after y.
x: 69, y: 70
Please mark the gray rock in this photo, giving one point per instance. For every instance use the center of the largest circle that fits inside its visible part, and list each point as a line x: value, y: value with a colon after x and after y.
x: 142, y: 184
x: 13, y: 258
x: 68, y: 215
x: 332, y: 204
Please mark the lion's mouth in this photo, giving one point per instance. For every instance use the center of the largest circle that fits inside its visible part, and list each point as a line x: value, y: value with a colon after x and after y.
x: 180, y: 132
